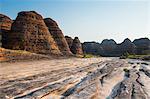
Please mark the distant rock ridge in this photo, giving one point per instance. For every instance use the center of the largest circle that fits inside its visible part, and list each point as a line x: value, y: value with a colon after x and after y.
x: 29, y: 32
x: 111, y: 48
x: 108, y: 41
x: 126, y: 47
x: 58, y: 36
x: 92, y: 48
x: 108, y: 46
x: 142, y: 45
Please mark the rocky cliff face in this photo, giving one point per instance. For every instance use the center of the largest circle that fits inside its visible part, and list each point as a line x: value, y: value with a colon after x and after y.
x: 5, y: 26
x: 92, y: 48
x: 69, y: 41
x: 30, y: 33
x: 76, y: 47
x: 58, y: 36
x: 108, y: 46
x: 142, y: 45
x: 126, y: 47
x: 111, y: 48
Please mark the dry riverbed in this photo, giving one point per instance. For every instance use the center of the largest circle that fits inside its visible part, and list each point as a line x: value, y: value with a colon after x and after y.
x: 75, y: 78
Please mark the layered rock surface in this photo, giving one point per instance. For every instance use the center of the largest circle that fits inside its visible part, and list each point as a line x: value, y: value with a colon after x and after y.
x: 76, y: 47
x: 58, y: 36
x: 84, y: 79
x: 69, y: 41
x: 5, y: 22
x: 5, y: 26
x: 30, y: 33
x: 134, y: 85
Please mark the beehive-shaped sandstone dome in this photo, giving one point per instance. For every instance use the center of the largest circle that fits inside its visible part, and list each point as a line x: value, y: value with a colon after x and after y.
x: 58, y: 36
x: 30, y: 33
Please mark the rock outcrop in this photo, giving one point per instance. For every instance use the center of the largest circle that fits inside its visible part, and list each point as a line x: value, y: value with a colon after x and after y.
x: 5, y: 26
x: 58, y: 36
x: 0, y: 39
x: 29, y: 32
x: 142, y: 46
x: 5, y: 22
x: 108, y: 46
x: 126, y: 47
x: 76, y: 47
x: 69, y: 41
x: 111, y: 48
x: 92, y: 48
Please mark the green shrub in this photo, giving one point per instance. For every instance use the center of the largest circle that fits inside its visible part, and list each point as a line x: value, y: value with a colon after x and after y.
x: 88, y: 56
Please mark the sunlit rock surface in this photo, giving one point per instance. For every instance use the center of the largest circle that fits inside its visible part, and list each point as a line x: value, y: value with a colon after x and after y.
x: 5, y: 27
x: 29, y: 32
x: 76, y: 47
x: 58, y: 36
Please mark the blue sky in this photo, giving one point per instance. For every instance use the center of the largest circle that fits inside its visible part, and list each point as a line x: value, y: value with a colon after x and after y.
x: 91, y: 20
